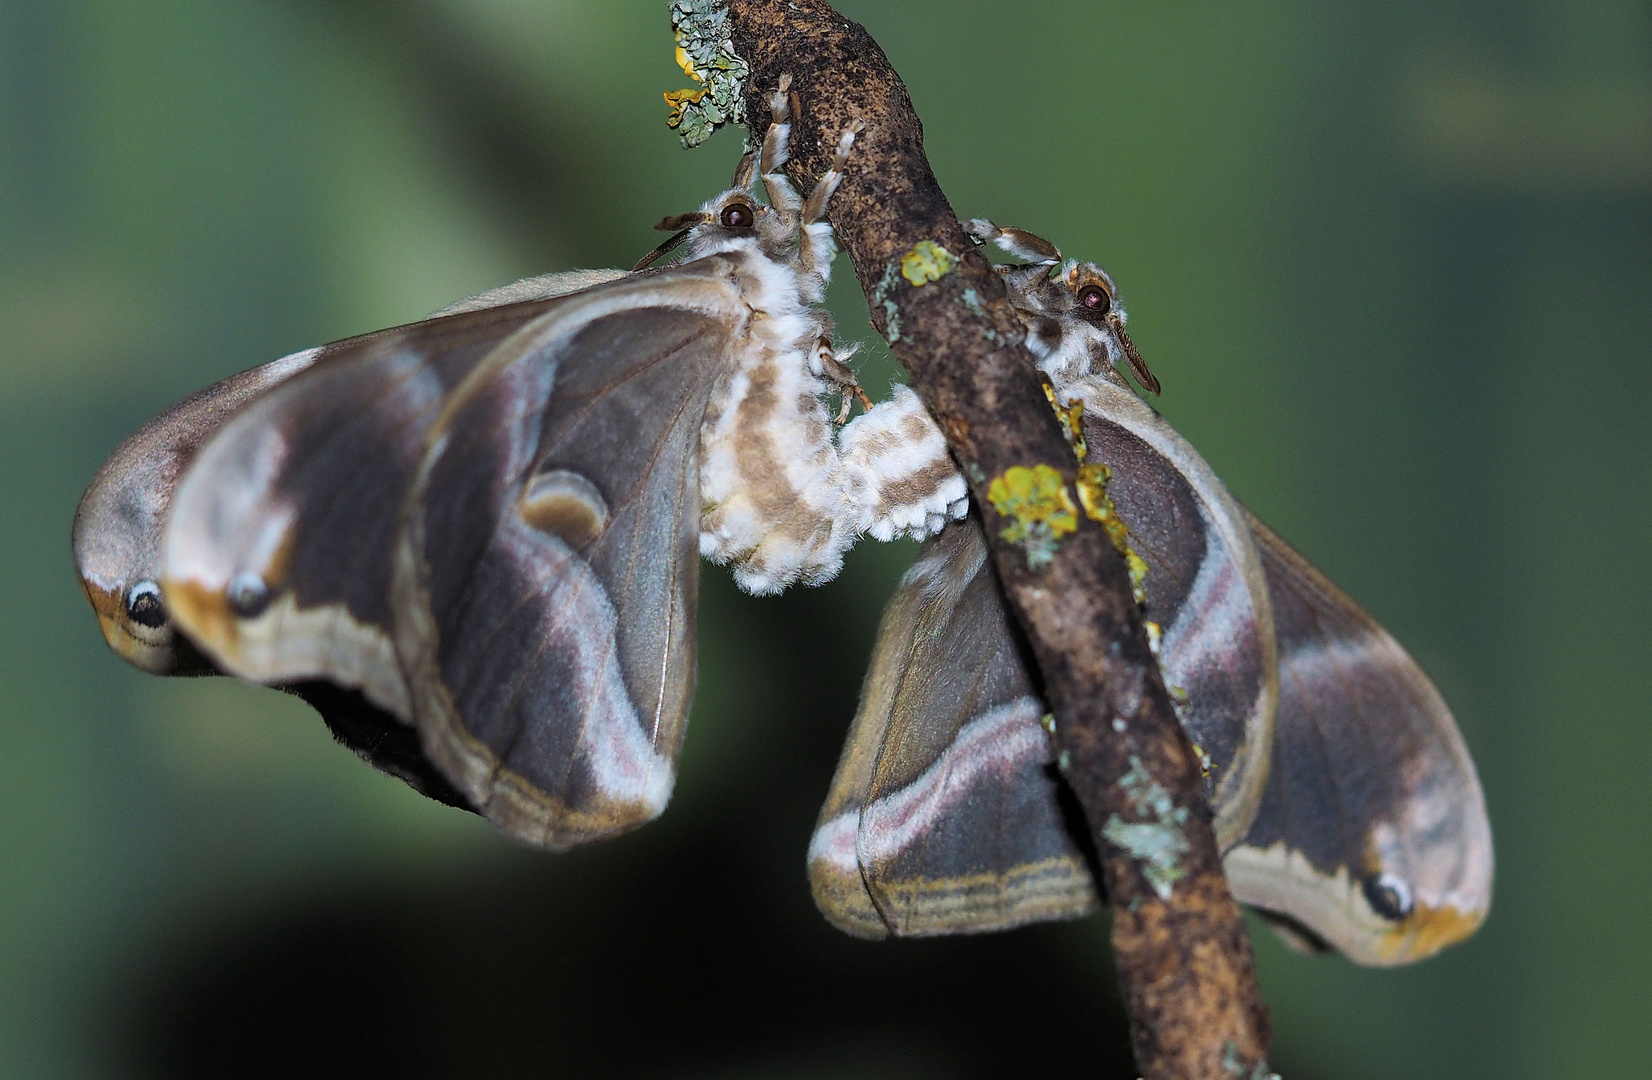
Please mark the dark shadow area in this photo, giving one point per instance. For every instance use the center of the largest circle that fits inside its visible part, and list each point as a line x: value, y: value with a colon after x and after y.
x: 655, y: 969
x: 688, y: 948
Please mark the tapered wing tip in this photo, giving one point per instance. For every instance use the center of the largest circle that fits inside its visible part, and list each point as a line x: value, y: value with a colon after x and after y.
x: 109, y: 604
x: 1426, y: 931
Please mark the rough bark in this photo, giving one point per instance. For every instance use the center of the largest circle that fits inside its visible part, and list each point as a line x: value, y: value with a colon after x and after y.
x: 1185, y: 961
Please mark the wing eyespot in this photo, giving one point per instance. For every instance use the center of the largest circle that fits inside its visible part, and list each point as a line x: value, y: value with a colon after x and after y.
x: 144, y: 606
x: 565, y: 505
x: 1389, y: 896
x: 247, y: 595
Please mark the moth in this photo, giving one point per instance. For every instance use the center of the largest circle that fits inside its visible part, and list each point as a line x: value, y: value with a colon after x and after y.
x: 484, y: 527
x: 470, y: 543
x: 1343, y: 796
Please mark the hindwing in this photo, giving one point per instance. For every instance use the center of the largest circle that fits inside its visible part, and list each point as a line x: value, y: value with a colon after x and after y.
x: 946, y: 813
x: 546, y: 568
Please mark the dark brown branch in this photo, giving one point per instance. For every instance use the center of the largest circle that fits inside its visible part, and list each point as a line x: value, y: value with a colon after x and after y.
x: 1185, y: 962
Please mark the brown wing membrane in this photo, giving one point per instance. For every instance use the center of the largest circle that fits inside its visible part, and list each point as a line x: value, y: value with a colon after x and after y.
x: 276, y: 557
x: 945, y: 815
x: 117, y: 538
x: 546, y: 570
x: 1372, y: 834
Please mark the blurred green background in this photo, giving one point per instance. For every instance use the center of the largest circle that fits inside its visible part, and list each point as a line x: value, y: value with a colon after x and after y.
x: 1393, y: 264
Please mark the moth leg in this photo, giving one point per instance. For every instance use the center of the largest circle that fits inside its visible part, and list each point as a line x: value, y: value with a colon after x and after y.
x: 777, y: 150
x: 830, y: 363
x: 1019, y: 243
x: 815, y: 246
x: 815, y: 209
x: 744, y: 172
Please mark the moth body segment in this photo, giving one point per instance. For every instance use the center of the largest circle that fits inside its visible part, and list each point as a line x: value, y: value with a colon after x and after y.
x: 901, y: 473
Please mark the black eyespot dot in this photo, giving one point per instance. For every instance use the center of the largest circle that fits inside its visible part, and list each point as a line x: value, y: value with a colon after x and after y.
x: 737, y: 216
x: 1389, y: 896
x: 248, y: 596
x: 144, y: 607
x: 1095, y: 298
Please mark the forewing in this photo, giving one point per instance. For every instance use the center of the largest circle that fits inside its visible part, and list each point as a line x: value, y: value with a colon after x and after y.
x: 117, y: 539
x: 1372, y: 834
x: 946, y: 802
x: 276, y: 555
x: 1205, y: 587
x: 546, y: 569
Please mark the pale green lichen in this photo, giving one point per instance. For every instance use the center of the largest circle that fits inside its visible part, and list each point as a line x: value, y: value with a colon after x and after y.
x: 1157, y: 842
x: 926, y: 262
x: 706, y: 55
x: 1040, y: 510
x: 1234, y: 1066
x: 891, y: 313
x: 972, y: 300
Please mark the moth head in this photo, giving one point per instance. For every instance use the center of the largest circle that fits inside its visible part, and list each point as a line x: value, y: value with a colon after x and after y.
x: 1071, y: 309
x: 733, y: 220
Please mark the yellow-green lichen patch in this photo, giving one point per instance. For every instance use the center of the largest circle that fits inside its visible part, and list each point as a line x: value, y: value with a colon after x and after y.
x: 1072, y: 420
x: 1040, y: 510
x: 706, y: 55
x: 926, y: 262
x: 1091, y: 484
x: 1159, y: 840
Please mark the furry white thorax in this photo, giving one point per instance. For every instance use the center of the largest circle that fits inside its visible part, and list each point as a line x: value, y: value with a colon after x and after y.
x: 783, y: 495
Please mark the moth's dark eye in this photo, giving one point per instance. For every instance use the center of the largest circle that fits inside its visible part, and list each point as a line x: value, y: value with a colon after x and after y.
x: 1389, y: 896
x: 248, y: 595
x: 737, y: 216
x: 144, y: 607
x: 1095, y: 298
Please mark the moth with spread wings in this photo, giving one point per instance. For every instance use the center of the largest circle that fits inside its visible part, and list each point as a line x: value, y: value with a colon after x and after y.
x: 486, y: 524
x: 1344, y: 797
